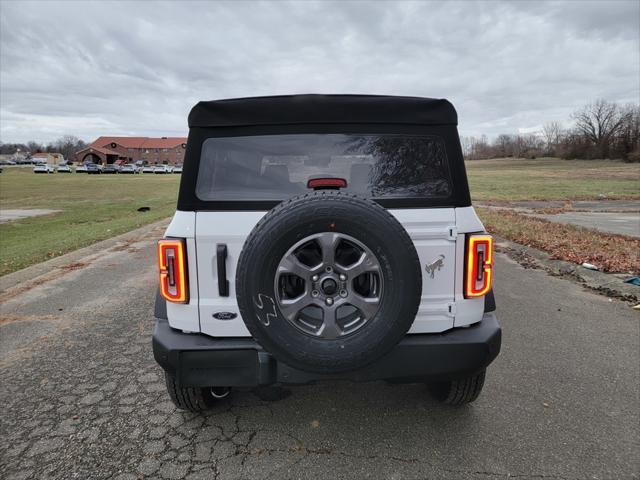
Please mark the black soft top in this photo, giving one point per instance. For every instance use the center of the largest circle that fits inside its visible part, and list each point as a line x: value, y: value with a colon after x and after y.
x: 322, y: 109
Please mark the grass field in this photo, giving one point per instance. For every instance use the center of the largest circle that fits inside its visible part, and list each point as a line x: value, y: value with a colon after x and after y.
x: 94, y: 207
x: 552, y: 179
x: 504, y: 180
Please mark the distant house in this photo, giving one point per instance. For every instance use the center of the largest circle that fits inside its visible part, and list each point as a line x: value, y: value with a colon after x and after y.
x: 148, y: 150
x: 48, y: 157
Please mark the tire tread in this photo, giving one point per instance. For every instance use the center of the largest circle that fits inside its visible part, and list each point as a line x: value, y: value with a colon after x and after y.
x: 187, y: 398
x: 460, y: 391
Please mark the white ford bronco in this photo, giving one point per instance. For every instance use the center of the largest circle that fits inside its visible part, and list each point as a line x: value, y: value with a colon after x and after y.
x: 322, y: 237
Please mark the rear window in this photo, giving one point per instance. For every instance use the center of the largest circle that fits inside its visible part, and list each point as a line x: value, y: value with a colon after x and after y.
x: 275, y: 167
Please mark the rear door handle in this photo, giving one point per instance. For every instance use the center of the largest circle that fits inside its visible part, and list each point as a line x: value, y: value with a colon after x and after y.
x: 221, y: 258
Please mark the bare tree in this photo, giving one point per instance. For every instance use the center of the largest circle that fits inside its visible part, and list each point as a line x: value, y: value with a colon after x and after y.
x: 465, y: 144
x: 68, y: 145
x: 9, y: 148
x: 627, y: 141
x: 34, y: 147
x: 599, y: 122
x: 503, y: 145
x: 551, y: 132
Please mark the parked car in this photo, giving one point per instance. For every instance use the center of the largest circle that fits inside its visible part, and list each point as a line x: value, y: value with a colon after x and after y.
x: 162, y: 169
x: 64, y: 168
x: 43, y: 168
x: 82, y: 168
x: 129, y: 168
x: 7, y: 162
x: 148, y: 169
x: 111, y: 168
x: 93, y: 168
x: 177, y: 169
x: 324, y: 267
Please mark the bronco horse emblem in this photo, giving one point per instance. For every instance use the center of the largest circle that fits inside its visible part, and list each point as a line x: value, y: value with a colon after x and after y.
x: 436, y: 264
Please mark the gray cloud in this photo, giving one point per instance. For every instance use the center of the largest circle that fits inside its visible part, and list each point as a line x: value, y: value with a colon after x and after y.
x: 137, y: 68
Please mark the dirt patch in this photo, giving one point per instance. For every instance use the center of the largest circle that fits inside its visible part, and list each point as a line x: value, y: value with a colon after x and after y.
x: 9, y: 294
x: 41, y: 280
x: 554, y: 211
x: 588, y: 173
x: 4, y: 319
x: 73, y: 266
x: 9, y: 215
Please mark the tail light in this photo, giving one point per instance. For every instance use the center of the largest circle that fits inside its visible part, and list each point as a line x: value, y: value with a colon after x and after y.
x: 479, y: 267
x: 172, y: 265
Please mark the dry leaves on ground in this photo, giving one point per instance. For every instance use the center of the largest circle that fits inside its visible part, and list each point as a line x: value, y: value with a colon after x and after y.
x: 610, y: 253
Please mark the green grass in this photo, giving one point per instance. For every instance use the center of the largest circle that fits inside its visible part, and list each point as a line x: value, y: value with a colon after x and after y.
x: 552, y: 179
x: 94, y: 207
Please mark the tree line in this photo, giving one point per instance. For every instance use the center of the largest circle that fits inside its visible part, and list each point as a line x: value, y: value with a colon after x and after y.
x: 67, y: 145
x: 600, y: 130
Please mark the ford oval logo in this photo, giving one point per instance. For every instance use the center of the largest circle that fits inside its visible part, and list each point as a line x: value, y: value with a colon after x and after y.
x: 225, y: 315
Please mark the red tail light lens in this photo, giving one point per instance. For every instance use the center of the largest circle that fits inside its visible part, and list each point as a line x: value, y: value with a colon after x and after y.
x: 334, y: 183
x: 172, y: 266
x: 479, y: 268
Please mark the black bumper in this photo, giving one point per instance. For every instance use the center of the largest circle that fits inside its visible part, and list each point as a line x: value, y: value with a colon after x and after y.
x: 200, y: 360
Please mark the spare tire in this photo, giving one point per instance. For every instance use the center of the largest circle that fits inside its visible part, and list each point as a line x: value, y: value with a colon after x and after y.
x: 328, y: 282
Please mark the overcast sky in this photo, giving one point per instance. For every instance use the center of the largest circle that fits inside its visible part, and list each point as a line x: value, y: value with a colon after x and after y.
x: 136, y: 68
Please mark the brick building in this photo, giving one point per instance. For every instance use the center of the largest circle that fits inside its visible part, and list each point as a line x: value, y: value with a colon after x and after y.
x: 148, y: 150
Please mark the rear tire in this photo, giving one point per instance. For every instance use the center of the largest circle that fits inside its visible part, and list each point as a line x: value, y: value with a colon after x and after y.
x: 458, y: 392
x: 194, y: 399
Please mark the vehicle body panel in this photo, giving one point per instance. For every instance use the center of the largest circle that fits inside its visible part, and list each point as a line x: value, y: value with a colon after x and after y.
x: 162, y: 169
x: 129, y: 168
x: 437, y: 226
x: 234, y: 173
x: 44, y: 168
x: 93, y: 168
x: 435, y: 233
x: 111, y: 169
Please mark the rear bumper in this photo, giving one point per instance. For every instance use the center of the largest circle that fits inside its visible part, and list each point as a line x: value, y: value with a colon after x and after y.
x: 200, y: 360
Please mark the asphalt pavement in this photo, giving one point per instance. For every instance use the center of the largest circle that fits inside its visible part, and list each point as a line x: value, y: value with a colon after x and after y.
x: 621, y: 223
x: 621, y: 217
x: 83, y: 398
x: 630, y: 206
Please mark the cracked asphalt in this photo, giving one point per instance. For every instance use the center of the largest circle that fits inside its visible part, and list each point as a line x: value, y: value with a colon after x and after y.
x: 83, y: 398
